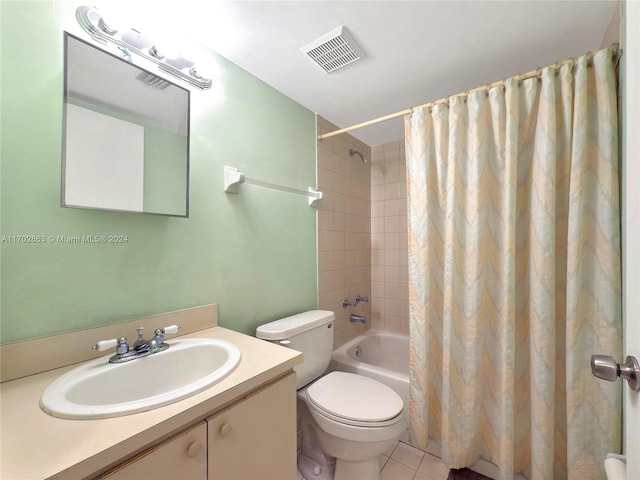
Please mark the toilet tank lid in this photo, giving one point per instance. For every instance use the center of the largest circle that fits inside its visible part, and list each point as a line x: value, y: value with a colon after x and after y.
x: 295, y: 324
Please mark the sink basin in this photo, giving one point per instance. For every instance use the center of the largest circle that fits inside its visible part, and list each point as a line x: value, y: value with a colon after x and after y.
x: 99, y: 389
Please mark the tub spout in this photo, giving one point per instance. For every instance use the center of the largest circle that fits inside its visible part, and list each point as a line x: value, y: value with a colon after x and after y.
x: 358, y: 318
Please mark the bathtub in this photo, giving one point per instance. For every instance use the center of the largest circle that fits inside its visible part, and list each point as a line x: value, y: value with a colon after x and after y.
x: 377, y: 354
x: 385, y: 356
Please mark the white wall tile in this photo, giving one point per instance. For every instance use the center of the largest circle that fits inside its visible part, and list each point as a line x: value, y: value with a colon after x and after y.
x: 344, y: 228
x: 389, y: 257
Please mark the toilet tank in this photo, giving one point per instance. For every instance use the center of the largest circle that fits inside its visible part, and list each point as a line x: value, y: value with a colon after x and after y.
x: 310, y: 333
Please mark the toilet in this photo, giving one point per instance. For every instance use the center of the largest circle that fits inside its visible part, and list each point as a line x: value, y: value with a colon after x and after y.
x: 346, y: 420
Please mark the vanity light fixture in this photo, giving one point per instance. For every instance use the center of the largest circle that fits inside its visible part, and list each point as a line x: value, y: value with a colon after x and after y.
x: 134, y: 41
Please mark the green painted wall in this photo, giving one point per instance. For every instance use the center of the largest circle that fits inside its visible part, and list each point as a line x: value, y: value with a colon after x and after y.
x: 253, y: 253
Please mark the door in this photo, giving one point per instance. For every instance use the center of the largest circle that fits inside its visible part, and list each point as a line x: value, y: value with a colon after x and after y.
x: 255, y: 439
x: 183, y: 456
x: 631, y: 224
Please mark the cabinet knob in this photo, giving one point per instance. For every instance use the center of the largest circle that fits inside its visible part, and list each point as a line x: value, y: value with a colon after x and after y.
x: 225, y: 429
x: 194, y: 449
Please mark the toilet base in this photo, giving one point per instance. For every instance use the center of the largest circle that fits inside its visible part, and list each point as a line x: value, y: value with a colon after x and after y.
x: 364, y: 470
x: 311, y: 470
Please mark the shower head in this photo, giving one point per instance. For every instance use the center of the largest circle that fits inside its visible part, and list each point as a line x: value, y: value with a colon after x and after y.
x: 353, y: 152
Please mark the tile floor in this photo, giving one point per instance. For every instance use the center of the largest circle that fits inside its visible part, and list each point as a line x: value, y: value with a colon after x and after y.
x: 404, y: 462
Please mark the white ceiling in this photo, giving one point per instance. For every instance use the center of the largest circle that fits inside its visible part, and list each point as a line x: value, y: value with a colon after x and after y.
x: 107, y: 81
x: 415, y: 51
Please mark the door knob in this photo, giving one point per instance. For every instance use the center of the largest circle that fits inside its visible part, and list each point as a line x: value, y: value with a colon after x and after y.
x: 225, y: 429
x: 605, y: 367
x: 194, y: 449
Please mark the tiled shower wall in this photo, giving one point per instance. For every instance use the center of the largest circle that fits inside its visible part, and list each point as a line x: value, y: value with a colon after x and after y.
x: 389, y: 261
x: 344, y: 230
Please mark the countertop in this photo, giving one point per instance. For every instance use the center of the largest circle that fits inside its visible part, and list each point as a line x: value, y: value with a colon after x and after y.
x: 35, y: 445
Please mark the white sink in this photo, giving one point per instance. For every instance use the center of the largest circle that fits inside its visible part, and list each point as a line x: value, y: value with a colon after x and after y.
x: 99, y: 389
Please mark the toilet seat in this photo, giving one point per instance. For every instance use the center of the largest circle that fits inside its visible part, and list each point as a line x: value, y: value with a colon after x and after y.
x: 344, y: 416
x: 355, y: 400
x: 351, y: 422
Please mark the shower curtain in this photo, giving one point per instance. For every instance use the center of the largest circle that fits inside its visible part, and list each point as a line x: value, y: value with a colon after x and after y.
x: 515, y: 276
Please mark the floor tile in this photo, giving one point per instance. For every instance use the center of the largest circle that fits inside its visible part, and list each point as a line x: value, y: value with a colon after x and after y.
x: 389, y: 452
x: 408, y: 455
x: 433, y: 467
x: 405, y: 462
x: 397, y: 471
x: 422, y: 476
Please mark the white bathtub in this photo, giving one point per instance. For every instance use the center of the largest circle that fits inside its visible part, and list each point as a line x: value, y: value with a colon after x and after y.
x: 383, y: 356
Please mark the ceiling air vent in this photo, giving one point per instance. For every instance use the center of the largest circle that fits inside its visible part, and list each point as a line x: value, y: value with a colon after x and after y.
x: 153, y: 81
x: 334, y: 50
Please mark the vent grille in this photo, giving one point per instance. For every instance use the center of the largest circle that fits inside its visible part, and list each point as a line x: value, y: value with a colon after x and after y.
x: 334, y: 50
x: 153, y: 81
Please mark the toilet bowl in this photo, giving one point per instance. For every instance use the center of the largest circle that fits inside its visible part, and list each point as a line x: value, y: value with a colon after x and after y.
x: 346, y: 420
x: 358, y: 418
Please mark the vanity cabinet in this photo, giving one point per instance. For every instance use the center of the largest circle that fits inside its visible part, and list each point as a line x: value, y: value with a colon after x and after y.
x: 182, y: 457
x: 255, y: 439
x: 252, y: 439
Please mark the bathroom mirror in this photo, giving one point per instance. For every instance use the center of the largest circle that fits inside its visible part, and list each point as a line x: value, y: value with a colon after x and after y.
x: 125, y: 135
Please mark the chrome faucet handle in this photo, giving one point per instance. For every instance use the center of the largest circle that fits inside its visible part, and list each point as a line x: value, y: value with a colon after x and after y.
x: 346, y: 303
x: 121, y: 344
x: 140, y: 342
x: 157, y: 343
x: 158, y: 336
x: 153, y: 345
x: 159, y: 333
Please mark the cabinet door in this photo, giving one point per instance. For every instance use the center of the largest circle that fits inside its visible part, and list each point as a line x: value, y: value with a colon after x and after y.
x: 182, y: 457
x: 255, y: 439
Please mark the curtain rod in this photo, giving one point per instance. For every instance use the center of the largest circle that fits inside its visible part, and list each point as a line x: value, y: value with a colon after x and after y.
x: 533, y: 73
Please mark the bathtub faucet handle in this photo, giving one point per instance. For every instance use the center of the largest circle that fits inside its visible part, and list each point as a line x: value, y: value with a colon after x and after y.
x: 361, y: 299
x: 346, y: 303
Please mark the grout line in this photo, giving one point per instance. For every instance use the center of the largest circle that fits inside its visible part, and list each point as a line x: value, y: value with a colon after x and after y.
x: 394, y: 449
x: 390, y: 454
x: 385, y: 463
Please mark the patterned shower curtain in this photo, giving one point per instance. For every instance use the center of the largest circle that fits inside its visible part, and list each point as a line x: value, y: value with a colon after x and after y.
x: 515, y: 276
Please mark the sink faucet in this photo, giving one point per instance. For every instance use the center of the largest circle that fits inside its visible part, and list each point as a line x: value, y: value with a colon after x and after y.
x: 141, y: 347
